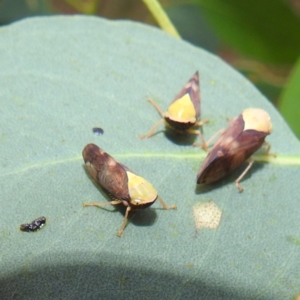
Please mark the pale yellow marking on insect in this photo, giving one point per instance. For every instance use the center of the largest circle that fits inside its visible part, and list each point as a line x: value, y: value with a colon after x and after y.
x: 182, y: 110
x: 257, y: 119
x: 235, y: 145
x: 220, y: 153
x: 207, y: 215
x: 91, y: 169
x: 227, y: 141
x: 140, y: 190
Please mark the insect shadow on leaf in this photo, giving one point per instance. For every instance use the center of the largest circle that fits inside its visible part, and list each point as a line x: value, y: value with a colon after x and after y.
x: 179, y: 138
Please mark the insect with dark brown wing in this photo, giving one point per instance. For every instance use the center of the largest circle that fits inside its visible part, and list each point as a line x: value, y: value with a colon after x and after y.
x: 183, y: 112
x: 120, y: 183
x: 244, y: 135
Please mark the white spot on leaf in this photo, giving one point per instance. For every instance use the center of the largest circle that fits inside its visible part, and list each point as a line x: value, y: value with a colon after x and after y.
x: 207, y: 215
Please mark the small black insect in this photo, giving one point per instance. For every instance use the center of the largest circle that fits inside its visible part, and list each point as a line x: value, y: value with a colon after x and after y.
x: 34, y: 225
x: 98, y: 130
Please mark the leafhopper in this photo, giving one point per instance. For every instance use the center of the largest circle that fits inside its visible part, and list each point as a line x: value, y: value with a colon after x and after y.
x: 184, y: 111
x: 244, y: 135
x: 122, y: 185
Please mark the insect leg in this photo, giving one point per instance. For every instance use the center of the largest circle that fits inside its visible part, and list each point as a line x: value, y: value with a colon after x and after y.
x: 101, y: 204
x: 156, y: 106
x: 210, y: 140
x: 267, y: 150
x: 204, y: 144
x: 152, y: 130
x: 164, y: 205
x: 214, y: 136
x: 242, y: 175
x: 119, y: 233
x: 200, y: 123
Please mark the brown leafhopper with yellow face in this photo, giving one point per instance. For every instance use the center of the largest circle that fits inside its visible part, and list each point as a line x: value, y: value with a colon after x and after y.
x: 120, y: 183
x: 183, y: 112
x: 244, y: 135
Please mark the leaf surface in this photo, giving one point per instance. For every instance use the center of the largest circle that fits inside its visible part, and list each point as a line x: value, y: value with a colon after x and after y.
x: 62, y: 76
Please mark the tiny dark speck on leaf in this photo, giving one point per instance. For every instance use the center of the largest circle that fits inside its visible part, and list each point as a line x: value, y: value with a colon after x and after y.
x: 98, y: 130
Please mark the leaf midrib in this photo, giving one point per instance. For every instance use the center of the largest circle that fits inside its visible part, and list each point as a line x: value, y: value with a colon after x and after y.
x: 287, y: 160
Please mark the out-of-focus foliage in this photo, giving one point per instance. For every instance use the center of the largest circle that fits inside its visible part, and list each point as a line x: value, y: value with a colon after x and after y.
x: 289, y: 101
x: 112, y: 9
x: 259, y: 38
x: 265, y: 30
x: 13, y: 10
x: 161, y: 17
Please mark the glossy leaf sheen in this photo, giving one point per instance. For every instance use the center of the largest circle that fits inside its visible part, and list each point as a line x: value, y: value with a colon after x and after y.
x: 62, y: 76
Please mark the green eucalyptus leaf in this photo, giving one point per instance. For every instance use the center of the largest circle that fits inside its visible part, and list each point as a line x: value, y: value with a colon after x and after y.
x: 62, y: 76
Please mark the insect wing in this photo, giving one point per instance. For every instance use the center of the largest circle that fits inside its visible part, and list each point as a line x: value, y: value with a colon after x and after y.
x: 110, y: 174
x: 233, y: 148
x: 193, y: 90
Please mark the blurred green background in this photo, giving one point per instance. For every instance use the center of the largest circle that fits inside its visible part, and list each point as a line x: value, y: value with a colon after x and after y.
x: 261, y: 39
